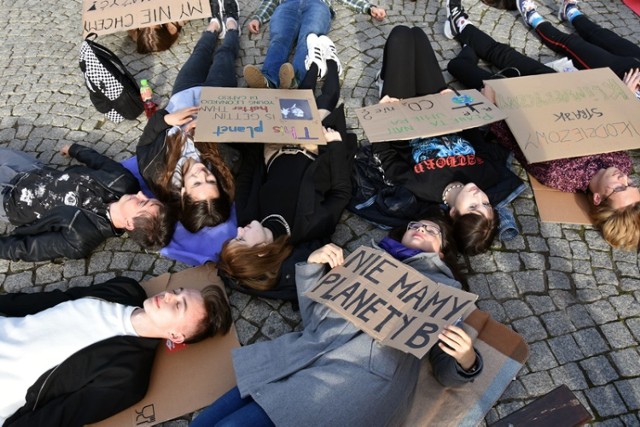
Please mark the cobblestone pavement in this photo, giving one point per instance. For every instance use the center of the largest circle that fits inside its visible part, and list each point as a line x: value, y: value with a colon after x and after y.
x: 573, y: 299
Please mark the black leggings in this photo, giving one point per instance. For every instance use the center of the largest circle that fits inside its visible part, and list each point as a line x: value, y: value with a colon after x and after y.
x: 409, y: 65
x: 592, y: 47
x: 480, y: 45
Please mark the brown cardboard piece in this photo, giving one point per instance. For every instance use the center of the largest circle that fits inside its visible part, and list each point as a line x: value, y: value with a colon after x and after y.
x: 258, y: 115
x: 503, y: 351
x: 429, y: 115
x: 558, y: 206
x: 106, y: 17
x: 391, y: 301
x: 564, y: 115
x: 189, y: 377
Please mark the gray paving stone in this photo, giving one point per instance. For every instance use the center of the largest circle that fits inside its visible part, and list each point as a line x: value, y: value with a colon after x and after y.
x: 540, y: 304
x: 494, y: 308
x: 602, y: 312
x: 502, y: 286
x: 516, y: 309
x: 626, y: 362
x: 571, y: 375
x: 529, y: 281
x: 565, y: 349
x: 537, y: 383
x: 540, y: 357
x: 606, y: 401
x: 625, y: 305
x: 628, y: 389
x: 599, y: 370
x: 530, y: 328
x: 507, y: 262
x: 48, y: 273
x: 590, y: 342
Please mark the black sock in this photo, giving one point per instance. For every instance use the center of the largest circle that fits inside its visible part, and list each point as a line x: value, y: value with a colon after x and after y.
x: 330, y: 95
x: 310, y: 79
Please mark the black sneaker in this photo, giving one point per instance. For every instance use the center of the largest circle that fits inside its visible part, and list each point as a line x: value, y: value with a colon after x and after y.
x: 216, y: 13
x: 456, y: 19
x: 231, y: 10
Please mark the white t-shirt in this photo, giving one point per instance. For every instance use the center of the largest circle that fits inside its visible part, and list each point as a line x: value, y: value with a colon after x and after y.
x: 31, y: 345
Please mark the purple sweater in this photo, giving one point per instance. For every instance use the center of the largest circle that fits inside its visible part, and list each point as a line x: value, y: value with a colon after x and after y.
x: 568, y: 175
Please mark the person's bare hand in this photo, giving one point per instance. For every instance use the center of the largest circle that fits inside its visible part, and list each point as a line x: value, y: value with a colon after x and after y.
x: 457, y: 344
x: 181, y: 117
x: 489, y: 93
x: 254, y: 26
x: 65, y: 150
x: 377, y: 13
x: 447, y: 90
x: 328, y: 254
x: 331, y: 135
x: 388, y: 99
x: 632, y: 79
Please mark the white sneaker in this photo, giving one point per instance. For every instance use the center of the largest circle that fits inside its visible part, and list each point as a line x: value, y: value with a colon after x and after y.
x: 315, y: 54
x: 330, y: 53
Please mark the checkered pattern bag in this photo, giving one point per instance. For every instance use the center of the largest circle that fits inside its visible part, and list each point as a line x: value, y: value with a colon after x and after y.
x: 112, y: 89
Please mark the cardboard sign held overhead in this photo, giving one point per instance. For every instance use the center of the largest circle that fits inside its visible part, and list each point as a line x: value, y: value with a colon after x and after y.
x: 258, y: 115
x: 429, y: 115
x: 106, y: 17
x: 391, y: 301
x: 557, y: 206
x: 184, y: 378
x: 563, y: 115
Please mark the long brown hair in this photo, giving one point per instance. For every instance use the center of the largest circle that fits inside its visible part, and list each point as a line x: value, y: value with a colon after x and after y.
x: 156, y: 39
x: 256, y: 267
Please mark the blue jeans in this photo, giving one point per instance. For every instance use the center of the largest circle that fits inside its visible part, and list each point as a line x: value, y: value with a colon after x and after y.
x: 13, y: 162
x: 232, y: 410
x: 291, y: 18
x: 208, y: 66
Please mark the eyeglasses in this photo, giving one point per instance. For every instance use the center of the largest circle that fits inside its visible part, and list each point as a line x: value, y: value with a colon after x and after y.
x: 619, y: 189
x: 431, y: 229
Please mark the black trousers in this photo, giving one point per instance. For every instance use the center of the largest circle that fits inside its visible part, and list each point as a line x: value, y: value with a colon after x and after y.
x: 592, y: 46
x: 122, y: 290
x: 409, y: 65
x: 480, y: 45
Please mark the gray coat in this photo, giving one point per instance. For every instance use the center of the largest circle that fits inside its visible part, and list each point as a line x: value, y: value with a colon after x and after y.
x: 331, y: 373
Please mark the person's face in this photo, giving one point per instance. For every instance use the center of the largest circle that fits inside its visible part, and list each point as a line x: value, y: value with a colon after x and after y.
x: 615, y: 187
x: 252, y: 234
x: 472, y: 200
x: 177, y: 312
x: 423, y: 235
x: 199, y: 183
x: 134, y: 205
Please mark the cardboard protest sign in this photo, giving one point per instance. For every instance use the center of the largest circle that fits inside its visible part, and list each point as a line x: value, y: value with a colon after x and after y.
x: 258, y: 115
x: 184, y: 377
x: 557, y: 206
x: 563, y: 115
x: 106, y: 17
x: 429, y: 115
x: 391, y: 301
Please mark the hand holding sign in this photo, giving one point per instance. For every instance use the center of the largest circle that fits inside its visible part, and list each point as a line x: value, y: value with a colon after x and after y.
x: 328, y: 254
x: 457, y: 344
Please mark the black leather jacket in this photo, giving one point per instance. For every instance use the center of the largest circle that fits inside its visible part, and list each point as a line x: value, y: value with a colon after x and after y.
x: 68, y: 231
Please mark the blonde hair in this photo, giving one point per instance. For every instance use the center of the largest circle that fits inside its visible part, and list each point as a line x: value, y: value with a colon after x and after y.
x: 256, y: 267
x: 619, y: 227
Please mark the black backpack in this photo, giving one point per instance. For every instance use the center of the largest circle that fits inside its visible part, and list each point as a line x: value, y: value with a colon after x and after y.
x: 112, y: 89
